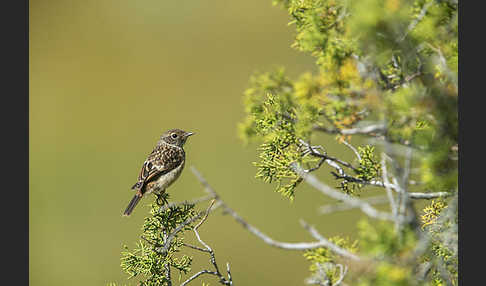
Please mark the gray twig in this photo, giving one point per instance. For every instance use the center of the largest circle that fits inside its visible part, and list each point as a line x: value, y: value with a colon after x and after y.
x: 352, y: 149
x: 197, y: 275
x: 209, y: 250
x: 343, y: 272
x: 429, y: 196
x: 331, y: 161
x: 338, y: 250
x: 173, y: 234
x: 389, y: 193
x: 417, y: 20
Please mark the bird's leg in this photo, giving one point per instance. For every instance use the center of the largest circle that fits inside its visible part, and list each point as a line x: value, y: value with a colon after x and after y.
x: 162, y: 198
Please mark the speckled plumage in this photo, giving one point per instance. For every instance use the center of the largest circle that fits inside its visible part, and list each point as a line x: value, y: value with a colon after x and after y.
x: 162, y: 167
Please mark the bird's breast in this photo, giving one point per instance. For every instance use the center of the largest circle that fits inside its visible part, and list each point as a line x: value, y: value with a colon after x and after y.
x: 165, y: 180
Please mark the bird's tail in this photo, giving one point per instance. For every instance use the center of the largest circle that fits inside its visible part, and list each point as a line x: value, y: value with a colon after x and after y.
x: 133, y: 203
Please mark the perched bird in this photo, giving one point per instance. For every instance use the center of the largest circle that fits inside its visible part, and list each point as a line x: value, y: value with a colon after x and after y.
x: 162, y: 167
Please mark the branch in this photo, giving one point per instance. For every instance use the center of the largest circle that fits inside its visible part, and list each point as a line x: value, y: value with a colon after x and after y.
x: 366, y: 130
x: 328, y: 191
x: 389, y: 194
x: 417, y: 20
x: 173, y: 234
x: 352, y: 149
x: 343, y: 273
x: 331, y: 161
x: 167, y: 274
x: 208, y: 249
x: 344, y: 207
x: 397, y: 206
x: 283, y: 245
x: 197, y: 275
x: 429, y: 196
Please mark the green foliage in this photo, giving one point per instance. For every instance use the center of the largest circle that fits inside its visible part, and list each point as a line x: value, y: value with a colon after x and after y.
x: 390, y: 62
x: 381, y: 239
x: 274, y: 119
x: 149, y: 259
x: 369, y: 168
x: 442, y: 242
x: 388, y: 274
x: 432, y: 212
x: 395, y: 63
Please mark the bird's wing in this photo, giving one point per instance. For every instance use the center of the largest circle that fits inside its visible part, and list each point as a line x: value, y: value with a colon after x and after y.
x: 162, y: 160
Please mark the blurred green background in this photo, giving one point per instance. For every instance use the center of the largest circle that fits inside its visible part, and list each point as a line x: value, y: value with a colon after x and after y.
x: 106, y: 79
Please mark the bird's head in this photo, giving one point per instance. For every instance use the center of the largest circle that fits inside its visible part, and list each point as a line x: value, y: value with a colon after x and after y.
x: 175, y: 137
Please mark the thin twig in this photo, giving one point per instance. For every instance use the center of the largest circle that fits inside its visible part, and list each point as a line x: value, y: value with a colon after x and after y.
x: 342, y: 275
x: 195, y: 247
x: 417, y: 20
x: 173, y: 234
x: 197, y: 275
x: 389, y: 193
x: 429, y: 196
x: 209, y: 250
x: 338, y: 250
x: 331, y: 161
x: 352, y: 149
x: 230, y: 278
x: 167, y: 274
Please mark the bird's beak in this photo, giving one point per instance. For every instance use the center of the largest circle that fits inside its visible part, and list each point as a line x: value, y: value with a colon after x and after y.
x: 189, y: 134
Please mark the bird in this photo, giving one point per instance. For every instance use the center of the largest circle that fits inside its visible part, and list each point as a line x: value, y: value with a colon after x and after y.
x: 162, y: 167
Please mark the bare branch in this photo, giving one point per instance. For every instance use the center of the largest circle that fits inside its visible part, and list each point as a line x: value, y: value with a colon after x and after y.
x: 328, y: 191
x: 366, y: 130
x: 417, y: 20
x: 326, y: 209
x: 352, y: 149
x: 197, y: 275
x: 230, y: 278
x: 344, y: 270
x: 283, y: 245
x: 173, y: 234
x: 429, y: 196
x: 331, y: 161
x: 195, y: 247
x: 209, y: 250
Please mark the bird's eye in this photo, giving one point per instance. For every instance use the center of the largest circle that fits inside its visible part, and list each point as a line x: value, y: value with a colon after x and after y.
x: 173, y: 135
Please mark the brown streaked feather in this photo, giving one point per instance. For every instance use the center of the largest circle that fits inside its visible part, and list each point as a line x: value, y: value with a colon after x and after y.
x: 163, y: 159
